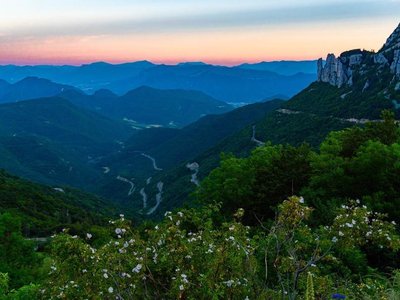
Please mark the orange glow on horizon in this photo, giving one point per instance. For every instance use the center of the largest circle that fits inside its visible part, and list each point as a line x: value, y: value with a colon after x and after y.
x: 224, y: 47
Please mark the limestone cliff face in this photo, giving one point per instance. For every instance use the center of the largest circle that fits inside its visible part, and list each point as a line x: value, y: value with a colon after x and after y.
x: 391, y: 50
x: 393, y: 41
x: 339, y: 71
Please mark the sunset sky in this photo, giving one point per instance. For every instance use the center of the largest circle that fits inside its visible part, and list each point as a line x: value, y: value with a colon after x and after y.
x: 169, y: 31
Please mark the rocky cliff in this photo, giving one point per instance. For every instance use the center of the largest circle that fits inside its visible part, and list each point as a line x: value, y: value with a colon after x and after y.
x: 339, y: 71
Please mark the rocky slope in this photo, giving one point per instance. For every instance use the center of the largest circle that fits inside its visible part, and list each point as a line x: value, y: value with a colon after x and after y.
x: 341, y: 71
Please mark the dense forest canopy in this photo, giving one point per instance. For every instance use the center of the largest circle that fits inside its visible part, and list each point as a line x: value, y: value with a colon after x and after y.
x: 285, y: 222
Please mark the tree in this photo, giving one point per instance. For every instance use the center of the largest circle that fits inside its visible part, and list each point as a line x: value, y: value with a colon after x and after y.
x: 17, y: 255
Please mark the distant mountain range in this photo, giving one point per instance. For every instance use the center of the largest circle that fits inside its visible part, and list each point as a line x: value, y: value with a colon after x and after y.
x: 145, y: 105
x: 284, y: 67
x: 141, y: 107
x: 30, y: 88
x: 244, y: 83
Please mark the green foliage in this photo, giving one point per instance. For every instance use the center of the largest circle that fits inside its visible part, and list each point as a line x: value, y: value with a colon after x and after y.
x: 310, y: 287
x: 260, y: 182
x: 44, y: 210
x: 17, y: 255
x: 185, y: 256
x: 191, y: 256
x: 360, y: 164
x: 276, y: 127
x: 3, y: 283
x: 324, y: 99
x: 26, y: 292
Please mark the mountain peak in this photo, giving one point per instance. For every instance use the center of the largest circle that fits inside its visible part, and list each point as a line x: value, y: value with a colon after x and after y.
x: 104, y: 93
x: 339, y: 71
x: 393, y: 41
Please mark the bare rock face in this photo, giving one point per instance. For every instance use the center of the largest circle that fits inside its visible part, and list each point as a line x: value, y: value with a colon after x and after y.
x: 395, y: 66
x: 381, y: 59
x: 392, y: 45
x: 339, y: 71
x: 336, y: 72
x: 393, y: 41
x: 355, y: 60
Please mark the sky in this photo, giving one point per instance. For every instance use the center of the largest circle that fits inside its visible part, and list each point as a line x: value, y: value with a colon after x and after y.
x: 226, y: 32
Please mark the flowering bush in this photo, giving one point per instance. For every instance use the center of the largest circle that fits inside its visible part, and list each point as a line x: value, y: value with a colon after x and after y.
x: 293, y: 247
x: 188, y: 255
x: 183, y: 257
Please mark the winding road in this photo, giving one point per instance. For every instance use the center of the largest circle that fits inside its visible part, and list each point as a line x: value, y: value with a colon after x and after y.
x: 153, y: 161
x: 144, y: 197
x: 194, y: 167
x: 132, y: 189
x: 254, y: 139
x: 160, y: 186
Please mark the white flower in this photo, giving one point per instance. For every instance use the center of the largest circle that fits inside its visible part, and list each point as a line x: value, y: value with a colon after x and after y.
x: 334, y: 239
x: 301, y: 200
x: 137, y: 268
x: 75, y: 237
x: 181, y: 287
x: 110, y: 290
x: 88, y: 235
x: 184, y: 278
x: 229, y: 283
x: 349, y: 225
x: 121, y: 216
x: 105, y: 275
x: 118, y: 231
x: 341, y: 233
x: 180, y: 214
x: 84, y: 271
